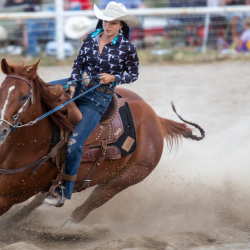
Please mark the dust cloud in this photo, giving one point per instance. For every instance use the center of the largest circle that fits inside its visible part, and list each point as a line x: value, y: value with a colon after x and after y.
x: 198, y: 196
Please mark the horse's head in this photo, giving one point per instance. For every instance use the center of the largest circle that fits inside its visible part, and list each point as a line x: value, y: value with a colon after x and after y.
x: 15, y: 93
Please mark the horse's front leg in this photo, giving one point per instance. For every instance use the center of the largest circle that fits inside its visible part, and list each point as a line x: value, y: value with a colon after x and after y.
x: 24, y: 211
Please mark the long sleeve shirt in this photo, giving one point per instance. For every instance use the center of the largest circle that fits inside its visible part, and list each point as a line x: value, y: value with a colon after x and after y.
x: 118, y: 58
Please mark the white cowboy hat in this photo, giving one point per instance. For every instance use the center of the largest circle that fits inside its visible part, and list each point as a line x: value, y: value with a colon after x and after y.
x: 116, y: 11
x: 3, y: 33
x: 77, y: 27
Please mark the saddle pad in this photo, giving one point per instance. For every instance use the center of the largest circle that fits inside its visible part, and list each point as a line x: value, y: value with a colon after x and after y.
x: 127, y: 141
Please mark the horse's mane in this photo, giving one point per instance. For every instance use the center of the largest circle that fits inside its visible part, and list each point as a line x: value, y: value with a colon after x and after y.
x: 49, y: 98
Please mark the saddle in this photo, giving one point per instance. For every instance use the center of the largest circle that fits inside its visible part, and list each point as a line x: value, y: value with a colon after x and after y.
x: 100, y: 144
x: 108, y: 131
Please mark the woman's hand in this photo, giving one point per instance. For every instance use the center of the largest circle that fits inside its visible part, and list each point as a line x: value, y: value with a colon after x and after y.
x: 106, y: 78
x: 72, y: 90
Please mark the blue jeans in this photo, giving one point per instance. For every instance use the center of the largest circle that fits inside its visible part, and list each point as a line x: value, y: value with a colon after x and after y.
x: 92, y: 105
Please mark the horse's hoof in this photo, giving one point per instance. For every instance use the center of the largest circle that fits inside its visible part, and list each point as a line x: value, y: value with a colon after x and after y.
x: 69, y: 222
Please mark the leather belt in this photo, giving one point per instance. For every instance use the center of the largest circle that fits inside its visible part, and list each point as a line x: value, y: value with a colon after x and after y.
x: 102, y: 89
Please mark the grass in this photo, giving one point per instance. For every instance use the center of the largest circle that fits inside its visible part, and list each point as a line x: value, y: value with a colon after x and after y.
x: 177, y: 56
x: 185, y: 55
x: 44, y: 60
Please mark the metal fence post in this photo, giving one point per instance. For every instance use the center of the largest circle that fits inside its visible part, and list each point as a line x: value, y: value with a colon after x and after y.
x: 59, y: 29
x: 206, y: 32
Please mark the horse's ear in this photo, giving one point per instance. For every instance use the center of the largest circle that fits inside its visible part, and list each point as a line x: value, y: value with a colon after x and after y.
x: 32, y: 69
x: 6, y: 68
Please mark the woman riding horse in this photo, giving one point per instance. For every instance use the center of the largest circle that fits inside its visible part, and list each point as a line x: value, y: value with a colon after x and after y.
x: 108, y: 53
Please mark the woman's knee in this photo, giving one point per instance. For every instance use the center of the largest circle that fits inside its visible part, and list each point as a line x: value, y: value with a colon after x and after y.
x: 73, y: 147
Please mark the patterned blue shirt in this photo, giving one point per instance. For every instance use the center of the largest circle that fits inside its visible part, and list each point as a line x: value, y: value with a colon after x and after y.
x: 118, y: 58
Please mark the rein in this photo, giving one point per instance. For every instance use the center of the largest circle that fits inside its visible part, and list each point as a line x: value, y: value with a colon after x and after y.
x: 21, y: 110
x: 18, y: 124
x: 37, y: 163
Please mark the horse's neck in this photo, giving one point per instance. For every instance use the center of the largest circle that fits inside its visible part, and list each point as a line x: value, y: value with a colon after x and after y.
x: 32, y: 142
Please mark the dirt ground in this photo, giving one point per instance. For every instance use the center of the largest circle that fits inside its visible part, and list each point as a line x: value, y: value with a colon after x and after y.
x: 197, y: 198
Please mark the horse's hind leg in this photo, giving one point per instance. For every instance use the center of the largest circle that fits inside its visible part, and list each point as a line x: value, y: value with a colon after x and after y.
x: 130, y: 175
x: 139, y: 166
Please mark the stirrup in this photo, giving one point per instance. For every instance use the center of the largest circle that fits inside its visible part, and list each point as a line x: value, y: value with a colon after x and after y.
x: 57, y: 201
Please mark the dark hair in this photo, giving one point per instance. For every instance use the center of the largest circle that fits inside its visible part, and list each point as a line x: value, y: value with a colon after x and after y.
x: 125, y: 28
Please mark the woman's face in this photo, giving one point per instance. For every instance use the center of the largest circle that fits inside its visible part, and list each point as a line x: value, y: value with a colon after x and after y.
x: 111, y: 28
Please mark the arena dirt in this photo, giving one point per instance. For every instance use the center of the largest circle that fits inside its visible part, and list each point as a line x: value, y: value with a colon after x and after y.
x: 199, y: 195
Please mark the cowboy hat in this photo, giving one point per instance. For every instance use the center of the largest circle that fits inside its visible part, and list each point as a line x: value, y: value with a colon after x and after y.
x: 116, y: 11
x: 77, y: 27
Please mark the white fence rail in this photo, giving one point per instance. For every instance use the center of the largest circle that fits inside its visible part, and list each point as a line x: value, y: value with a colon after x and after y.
x: 59, y: 14
x: 136, y: 12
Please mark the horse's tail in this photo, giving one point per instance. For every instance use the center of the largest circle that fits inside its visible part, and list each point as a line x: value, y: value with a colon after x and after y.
x: 174, y: 131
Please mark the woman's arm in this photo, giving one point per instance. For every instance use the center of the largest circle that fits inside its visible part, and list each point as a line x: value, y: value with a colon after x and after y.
x: 78, y: 66
x: 131, y: 67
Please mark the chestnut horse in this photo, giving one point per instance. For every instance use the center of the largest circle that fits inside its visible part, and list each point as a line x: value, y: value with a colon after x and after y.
x: 31, y: 143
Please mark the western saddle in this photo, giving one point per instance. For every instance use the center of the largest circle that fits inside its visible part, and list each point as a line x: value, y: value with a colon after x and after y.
x: 95, y: 148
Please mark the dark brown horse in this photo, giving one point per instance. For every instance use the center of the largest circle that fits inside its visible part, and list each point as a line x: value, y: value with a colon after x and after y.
x: 31, y: 143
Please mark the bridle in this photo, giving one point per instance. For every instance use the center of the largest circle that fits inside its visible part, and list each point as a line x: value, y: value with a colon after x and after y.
x: 18, y: 124
x: 21, y: 110
x: 18, y: 115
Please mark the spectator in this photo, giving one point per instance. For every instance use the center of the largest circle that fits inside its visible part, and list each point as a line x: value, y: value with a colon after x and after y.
x: 213, y: 3
x: 129, y: 4
x: 243, y: 43
x: 2, y: 4
x: 17, y: 2
x: 235, y: 19
x: 190, y: 25
x: 30, y: 4
x: 84, y: 4
x: 42, y: 29
x: 218, y: 32
x: 188, y: 3
x: 15, y: 27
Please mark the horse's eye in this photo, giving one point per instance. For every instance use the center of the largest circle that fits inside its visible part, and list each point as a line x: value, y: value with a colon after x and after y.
x: 23, y: 98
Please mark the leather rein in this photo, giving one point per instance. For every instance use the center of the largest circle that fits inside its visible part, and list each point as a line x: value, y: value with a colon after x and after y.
x: 17, y: 124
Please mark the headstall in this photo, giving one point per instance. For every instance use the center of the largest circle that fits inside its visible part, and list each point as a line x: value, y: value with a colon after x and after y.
x: 18, y: 115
